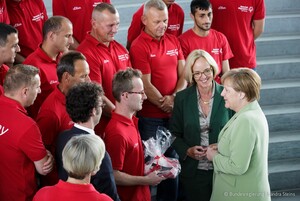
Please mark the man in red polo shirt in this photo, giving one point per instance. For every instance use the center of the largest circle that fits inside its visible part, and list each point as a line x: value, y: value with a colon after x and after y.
x: 159, y: 56
x: 53, y: 118
x: 28, y: 16
x: 104, y: 55
x: 175, y: 22
x: 21, y: 147
x: 123, y: 141
x: 241, y: 22
x: 57, y: 38
x: 3, y: 12
x: 201, y: 36
x: 77, y: 9
x: 8, y: 49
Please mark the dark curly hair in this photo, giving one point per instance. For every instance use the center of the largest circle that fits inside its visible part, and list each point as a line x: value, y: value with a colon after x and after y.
x: 81, y: 99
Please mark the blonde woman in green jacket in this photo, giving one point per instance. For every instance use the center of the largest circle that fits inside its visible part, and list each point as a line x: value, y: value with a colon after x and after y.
x: 241, y: 157
x: 198, y: 116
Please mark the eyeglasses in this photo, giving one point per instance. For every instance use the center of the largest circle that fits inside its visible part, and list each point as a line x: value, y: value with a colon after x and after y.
x: 206, y: 72
x: 136, y: 92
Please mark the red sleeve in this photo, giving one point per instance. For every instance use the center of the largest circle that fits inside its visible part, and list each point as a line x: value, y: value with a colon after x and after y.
x: 5, y: 18
x: 260, y: 10
x: 58, y: 7
x: 136, y: 25
x: 43, y: 9
x: 227, y: 53
x: 181, y: 20
x: 140, y: 58
x: 184, y: 46
x: 32, y: 144
x: 48, y: 123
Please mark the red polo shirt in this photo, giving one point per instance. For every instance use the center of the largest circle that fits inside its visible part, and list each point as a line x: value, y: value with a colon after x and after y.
x: 215, y: 43
x: 77, y: 9
x: 64, y: 191
x: 160, y: 59
x: 48, y: 75
x: 104, y: 62
x: 124, y: 145
x: 3, y: 12
x: 234, y: 19
x: 175, y: 22
x: 3, y: 70
x: 52, y: 119
x: 20, y: 145
x: 28, y: 16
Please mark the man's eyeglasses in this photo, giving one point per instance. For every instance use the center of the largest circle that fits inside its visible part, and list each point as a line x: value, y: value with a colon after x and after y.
x: 206, y: 72
x: 136, y: 92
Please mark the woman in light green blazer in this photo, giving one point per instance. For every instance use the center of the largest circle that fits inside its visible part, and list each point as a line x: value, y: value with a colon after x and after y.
x: 198, y: 116
x: 241, y: 157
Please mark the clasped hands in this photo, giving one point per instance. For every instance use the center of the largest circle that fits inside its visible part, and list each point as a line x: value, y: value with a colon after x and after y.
x: 200, y: 152
x: 167, y: 103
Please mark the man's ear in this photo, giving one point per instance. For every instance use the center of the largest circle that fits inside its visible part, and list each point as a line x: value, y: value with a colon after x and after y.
x: 144, y: 19
x: 192, y: 16
x: 66, y: 77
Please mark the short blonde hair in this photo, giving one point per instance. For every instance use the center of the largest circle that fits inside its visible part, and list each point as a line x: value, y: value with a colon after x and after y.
x: 244, y: 80
x: 83, y: 155
x: 192, y: 58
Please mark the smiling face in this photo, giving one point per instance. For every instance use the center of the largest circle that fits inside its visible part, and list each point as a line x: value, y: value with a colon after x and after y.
x: 202, y: 73
x: 105, y: 25
x: 9, y: 51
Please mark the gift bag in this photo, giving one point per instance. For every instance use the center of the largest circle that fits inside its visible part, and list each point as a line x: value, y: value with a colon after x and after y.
x: 155, y: 149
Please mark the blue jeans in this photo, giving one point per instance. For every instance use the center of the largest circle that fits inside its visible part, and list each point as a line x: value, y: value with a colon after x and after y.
x: 167, y: 190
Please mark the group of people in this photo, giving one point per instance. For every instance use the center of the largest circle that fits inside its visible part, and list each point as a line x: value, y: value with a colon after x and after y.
x: 84, y: 103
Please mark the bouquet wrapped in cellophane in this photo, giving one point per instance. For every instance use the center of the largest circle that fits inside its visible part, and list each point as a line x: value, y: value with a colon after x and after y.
x: 155, y: 149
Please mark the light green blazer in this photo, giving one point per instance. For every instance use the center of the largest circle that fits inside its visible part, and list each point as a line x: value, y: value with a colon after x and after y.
x: 241, y: 167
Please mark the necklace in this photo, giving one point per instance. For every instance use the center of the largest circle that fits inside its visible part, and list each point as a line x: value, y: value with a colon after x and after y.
x: 205, y: 102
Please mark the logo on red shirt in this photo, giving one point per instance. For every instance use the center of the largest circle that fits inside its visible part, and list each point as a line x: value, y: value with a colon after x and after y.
x: 174, y: 27
x: 217, y: 51
x: 246, y: 9
x: 172, y: 52
x: 77, y: 8
x: 1, y: 10
x: 3, y: 130
x: 38, y: 17
x: 123, y: 57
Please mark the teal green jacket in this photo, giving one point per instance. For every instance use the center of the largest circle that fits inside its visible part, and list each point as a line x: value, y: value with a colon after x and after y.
x: 185, y: 124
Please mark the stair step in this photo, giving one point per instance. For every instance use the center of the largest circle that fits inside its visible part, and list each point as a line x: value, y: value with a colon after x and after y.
x: 269, y: 45
x: 282, y: 117
x: 281, y: 109
x: 284, y: 145
x: 284, y: 174
x: 275, y: 92
x: 284, y: 136
x: 273, y: 84
x: 279, y: 67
